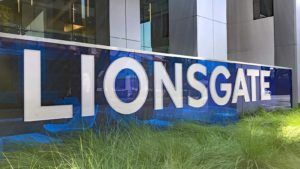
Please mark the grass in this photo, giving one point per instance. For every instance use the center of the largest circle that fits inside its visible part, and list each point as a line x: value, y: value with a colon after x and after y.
x: 266, y: 140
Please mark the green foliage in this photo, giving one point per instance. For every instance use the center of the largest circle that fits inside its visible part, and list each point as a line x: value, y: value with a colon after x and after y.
x: 267, y: 140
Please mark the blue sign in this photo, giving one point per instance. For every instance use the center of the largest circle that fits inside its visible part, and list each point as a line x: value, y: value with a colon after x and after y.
x: 57, y: 86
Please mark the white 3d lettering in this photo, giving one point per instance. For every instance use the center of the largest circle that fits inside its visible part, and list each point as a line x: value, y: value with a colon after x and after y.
x: 34, y: 111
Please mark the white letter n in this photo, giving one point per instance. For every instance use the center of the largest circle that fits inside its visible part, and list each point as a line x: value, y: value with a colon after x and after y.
x: 161, y: 79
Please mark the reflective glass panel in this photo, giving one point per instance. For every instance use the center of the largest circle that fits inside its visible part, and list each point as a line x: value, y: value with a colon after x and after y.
x: 74, y: 20
x: 61, y: 81
x: 155, y: 25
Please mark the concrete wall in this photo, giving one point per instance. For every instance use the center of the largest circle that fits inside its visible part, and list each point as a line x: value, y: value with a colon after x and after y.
x: 249, y: 40
x: 101, y: 23
x: 124, y: 21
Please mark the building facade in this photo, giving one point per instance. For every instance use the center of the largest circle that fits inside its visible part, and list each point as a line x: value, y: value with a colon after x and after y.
x: 193, y: 27
x: 256, y: 31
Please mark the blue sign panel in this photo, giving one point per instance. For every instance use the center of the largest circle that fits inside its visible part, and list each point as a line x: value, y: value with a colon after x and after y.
x: 48, y: 87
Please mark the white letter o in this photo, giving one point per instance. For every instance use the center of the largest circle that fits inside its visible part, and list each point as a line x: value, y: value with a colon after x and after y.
x: 109, y: 85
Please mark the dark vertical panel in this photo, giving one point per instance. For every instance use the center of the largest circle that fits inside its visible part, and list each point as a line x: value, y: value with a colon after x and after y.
x: 256, y: 9
x: 102, y: 22
x: 183, y: 27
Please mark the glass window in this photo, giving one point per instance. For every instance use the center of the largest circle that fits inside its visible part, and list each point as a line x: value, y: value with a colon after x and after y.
x: 10, y: 16
x: 263, y: 9
x: 155, y: 25
x: 73, y: 20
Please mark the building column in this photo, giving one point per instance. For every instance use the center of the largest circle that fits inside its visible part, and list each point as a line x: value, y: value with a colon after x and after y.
x: 198, y: 28
x: 183, y: 27
x: 287, y: 46
x: 124, y: 16
x: 212, y: 29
